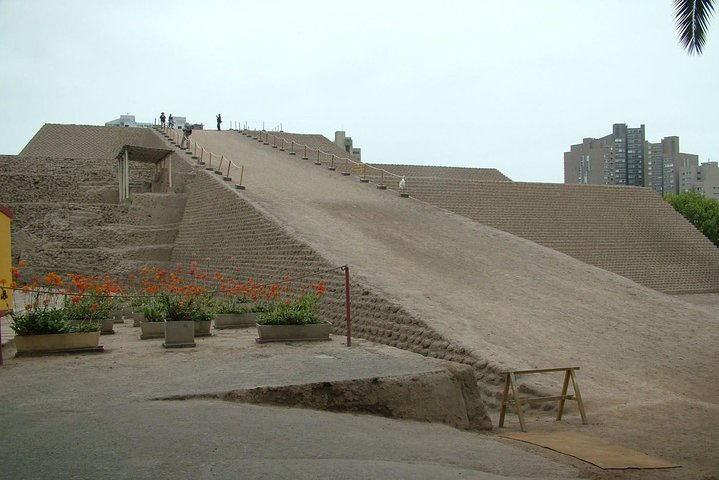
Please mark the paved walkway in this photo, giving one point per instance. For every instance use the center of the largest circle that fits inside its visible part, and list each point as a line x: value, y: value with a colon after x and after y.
x: 93, y: 416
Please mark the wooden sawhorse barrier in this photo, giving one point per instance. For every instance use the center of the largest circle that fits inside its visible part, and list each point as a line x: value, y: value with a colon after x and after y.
x: 510, y: 381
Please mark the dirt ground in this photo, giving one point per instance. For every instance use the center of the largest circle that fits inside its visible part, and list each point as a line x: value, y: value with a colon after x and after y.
x: 648, y: 361
x: 231, y: 360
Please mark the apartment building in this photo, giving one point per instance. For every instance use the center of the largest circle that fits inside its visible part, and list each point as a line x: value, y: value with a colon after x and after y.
x: 625, y: 157
x: 702, y: 178
x: 615, y: 159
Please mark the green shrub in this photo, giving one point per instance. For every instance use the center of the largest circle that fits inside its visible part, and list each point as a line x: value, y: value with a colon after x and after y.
x: 88, y: 309
x: 701, y: 211
x: 239, y: 305
x: 303, y: 311
x: 39, y: 322
x: 153, y: 310
x: 179, y: 309
x: 47, y: 322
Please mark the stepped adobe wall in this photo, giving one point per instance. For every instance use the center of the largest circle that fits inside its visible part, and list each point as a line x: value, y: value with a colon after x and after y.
x: 67, y: 217
x: 224, y: 229
x: 87, y: 141
x: 423, y: 279
x: 627, y: 230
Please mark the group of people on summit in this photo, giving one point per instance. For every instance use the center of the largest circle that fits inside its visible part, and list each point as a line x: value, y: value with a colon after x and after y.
x: 169, y: 122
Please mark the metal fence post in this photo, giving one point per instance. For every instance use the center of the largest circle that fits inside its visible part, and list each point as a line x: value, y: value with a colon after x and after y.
x: 346, y: 268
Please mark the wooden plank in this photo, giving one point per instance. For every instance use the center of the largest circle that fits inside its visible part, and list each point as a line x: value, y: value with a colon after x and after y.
x: 579, y: 398
x: 564, y: 392
x: 543, y: 399
x: 517, y: 402
x: 541, y: 370
x: 505, y: 397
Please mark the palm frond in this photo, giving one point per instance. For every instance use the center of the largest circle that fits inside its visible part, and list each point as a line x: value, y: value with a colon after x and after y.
x: 692, y: 21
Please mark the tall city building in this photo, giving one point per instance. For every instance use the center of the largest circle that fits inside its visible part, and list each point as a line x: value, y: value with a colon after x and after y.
x: 702, y: 178
x: 625, y: 157
x: 615, y: 159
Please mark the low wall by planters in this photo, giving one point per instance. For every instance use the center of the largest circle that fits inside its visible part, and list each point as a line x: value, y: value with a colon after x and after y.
x: 448, y: 395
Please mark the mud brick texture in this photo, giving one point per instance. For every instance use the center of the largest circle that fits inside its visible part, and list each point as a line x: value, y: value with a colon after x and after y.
x: 223, y: 230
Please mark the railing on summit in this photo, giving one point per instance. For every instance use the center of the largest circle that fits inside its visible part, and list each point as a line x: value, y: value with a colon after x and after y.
x: 366, y: 172
x: 205, y: 158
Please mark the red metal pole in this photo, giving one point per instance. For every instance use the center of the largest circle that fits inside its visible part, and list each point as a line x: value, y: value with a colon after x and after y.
x: 347, y: 303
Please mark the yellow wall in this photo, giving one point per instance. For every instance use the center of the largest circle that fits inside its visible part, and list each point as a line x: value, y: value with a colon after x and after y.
x: 5, y: 258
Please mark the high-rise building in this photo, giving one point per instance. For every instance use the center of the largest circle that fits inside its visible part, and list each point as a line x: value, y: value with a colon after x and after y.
x: 667, y: 167
x: 624, y: 157
x: 702, y: 178
x: 615, y: 159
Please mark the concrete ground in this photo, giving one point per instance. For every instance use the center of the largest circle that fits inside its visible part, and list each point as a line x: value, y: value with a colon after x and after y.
x: 95, y: 416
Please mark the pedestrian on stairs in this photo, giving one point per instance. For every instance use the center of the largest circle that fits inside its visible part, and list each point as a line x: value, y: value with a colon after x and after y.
x: 171, y: 121
x: 219, y: 121
x: 186, y: 132
x: 162, y: 119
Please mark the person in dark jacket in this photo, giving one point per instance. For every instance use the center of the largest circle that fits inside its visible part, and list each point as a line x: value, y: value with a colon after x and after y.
x: 186, y: 132
x: 219, y: 121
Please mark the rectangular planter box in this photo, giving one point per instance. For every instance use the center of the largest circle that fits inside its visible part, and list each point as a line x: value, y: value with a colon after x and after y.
x: 293, y: 333
x: 235, y: 320
x: 121, y: 314
x: 179, y: 334
x: 137, y: 319
x: 202, y: 328
x: 59, y: 342
x: 152, y: 330
x: 107, y: 326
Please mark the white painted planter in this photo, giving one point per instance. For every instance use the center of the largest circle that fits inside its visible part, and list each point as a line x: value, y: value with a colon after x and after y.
x: 152, y: 330
x: 60, y: 342
x: 235, y: 320
x: 179, y: 334
x: 294, y: 333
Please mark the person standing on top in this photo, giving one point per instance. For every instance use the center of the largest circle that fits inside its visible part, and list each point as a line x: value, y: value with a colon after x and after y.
x: 219, y: 121
x: 171, y: 121
x: 162, y: 119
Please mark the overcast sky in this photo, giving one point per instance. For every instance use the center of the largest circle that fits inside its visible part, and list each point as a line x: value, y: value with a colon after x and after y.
x: 508, y: 84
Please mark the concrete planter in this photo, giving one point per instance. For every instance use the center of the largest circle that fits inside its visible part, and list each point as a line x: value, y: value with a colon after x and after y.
x: 293, y: 333
x: 137, y: 319
x: 235, y: 320
x: 121, y: 314
x: 152, y: 330
x: 179, y: 334
x: 106, y: 326
x: 202, y: 328
x: 59, y: 342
